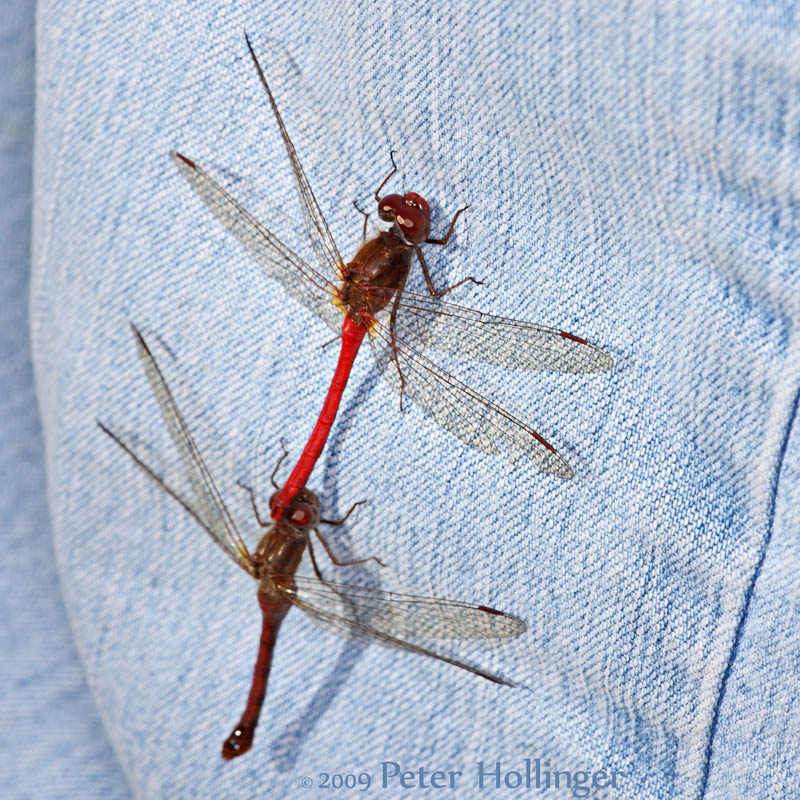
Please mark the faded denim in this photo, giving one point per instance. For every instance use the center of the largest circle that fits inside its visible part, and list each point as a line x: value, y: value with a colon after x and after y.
x: 633, y: 176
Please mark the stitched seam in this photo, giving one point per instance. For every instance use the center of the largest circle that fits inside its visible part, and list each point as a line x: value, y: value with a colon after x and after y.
x: 748, y: 596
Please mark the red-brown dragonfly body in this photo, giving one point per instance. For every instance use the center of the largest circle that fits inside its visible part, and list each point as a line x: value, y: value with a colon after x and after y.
x: 370, y: 282
x: 241, y: 738
x: 278, y: 553
x: 387, y: 618
x: 370, y: 292
x: 374, y: 276
x: 352, y: 335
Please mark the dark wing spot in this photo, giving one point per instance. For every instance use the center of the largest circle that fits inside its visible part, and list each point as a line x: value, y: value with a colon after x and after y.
x: 574, y: 338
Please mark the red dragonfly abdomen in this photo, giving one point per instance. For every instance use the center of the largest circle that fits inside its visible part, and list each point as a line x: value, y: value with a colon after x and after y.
x: 375, y: 275
x: 241, y: 738
x: 352, y: 335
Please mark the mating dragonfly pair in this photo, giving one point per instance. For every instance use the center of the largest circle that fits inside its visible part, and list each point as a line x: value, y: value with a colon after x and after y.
x: 366, y: 296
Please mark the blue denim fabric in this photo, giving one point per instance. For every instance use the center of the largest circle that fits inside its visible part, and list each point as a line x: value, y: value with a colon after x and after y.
x: 634, y: 178
x: 51, y: 738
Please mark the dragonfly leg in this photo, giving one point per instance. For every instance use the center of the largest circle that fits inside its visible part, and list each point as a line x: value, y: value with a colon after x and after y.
x: 393, y: 338
x: 337, y: 523
x: 439, y: 292
x: 446, y: 239
x: 318, y: 571
x: 386, y: 179
x: 314, y: 564
x: 280, y: 461
x: 338, y: 563
x: 366, y: 219
x: 263, y: 523
x: 331, y: 341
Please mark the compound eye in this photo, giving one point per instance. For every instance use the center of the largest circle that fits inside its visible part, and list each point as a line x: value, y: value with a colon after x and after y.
x: 389, y: 206
x: 421, y: 217
x: 413, y: 223
x: 303, y: 515
x: 408, y: 213
x: 413, y: 199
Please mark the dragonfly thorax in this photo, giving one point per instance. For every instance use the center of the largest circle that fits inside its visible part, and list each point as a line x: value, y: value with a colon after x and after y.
x: 279, y: 552
x: 377, y: 271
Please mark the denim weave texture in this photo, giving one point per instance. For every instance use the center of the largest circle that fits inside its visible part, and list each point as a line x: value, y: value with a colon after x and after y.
x: 52, y: 740
x: 633, y: 177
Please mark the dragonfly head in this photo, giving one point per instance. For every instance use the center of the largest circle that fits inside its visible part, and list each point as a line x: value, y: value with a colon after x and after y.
x: 411, y: 213
x: 303, y: 512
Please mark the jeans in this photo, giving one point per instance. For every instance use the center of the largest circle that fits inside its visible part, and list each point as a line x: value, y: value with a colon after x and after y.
x: 633, y: 175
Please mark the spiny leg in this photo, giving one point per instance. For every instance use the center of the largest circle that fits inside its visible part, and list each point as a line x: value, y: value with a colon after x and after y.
x: 386, y: 179
x: 314, y: 564
x: 330, y: 341
x: 393, y: 338
x: 446, y: 239
x: 442, y: 242
x: 261, y: 522
x: 433, y: 291
x: 338, y: 563
x: 366, y: 219
x: 337, y: 523
x: 318, y: 572
x: 280, y: 461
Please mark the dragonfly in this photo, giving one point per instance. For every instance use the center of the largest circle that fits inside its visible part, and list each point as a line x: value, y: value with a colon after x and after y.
x: 388, y: 618
x: 369, y: 292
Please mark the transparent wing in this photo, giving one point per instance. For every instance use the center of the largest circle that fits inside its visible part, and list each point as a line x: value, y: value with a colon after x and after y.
x: 208, y: 507
x: 427, y: 321
x: 304, y: 283
x: 405, y: 614
x: 383, y: 617
x: 466, y: 414
x: 199, y: 517
x: 318, y: 231
x: 445, y: 326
